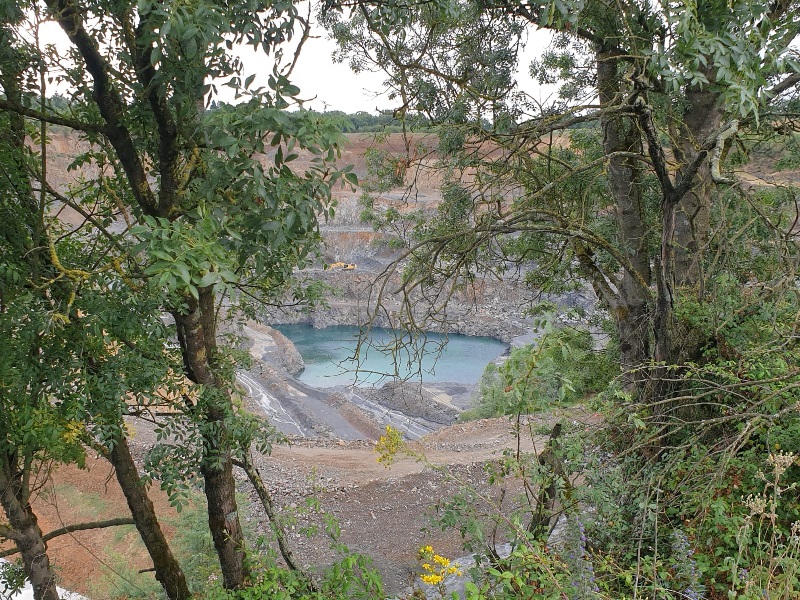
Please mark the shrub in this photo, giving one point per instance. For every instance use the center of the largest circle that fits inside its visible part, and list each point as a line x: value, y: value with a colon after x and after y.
x: 562, y: 368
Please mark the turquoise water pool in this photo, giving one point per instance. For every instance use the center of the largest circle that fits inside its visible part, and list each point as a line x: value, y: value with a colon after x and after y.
x: 328, y: 354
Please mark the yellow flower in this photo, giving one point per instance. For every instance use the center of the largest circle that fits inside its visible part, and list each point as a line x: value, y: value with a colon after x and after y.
x: 389, y: 446
x: 432, y: 579
x: 441, y: 560
x: 435, y: 573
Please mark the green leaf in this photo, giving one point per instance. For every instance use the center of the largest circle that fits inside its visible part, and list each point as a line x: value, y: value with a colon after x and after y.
x: 208, y: 279
x: 183, y: 272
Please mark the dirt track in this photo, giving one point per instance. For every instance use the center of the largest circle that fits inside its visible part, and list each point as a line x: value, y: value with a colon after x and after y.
x: 382, y: 511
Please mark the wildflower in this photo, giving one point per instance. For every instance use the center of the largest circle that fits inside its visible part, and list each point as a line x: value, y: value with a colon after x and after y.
x: 436, y: 567
x: 781, y: 461
x: 757, y: 504
x: 445, y: 562
x: 389, y: 446
x: 432, y: 579
x: 686, y: 566
x: 579, y: 560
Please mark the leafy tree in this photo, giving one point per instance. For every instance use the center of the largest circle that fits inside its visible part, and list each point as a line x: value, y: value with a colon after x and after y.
x: 626, y: 180
x: 182, y: 208
x: 54, y: 341
x: 627, y: 201
x: 33, y: 433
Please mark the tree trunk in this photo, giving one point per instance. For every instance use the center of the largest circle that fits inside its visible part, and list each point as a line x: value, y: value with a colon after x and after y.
x: 620, y: 135
x: 26, y: 533
x: 196, y: 334
x: 223, y: 516
x: 686, y: 230
x: 702, y: 117
x: 168, y: 571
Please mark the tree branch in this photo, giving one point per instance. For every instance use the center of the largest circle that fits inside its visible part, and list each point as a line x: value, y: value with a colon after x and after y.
x: 548, y: 124
x: 304, y: 37
x: 263, y: 494
x: 716, y: 154
x: 89, y: 217
x: 780, y: 87
x: 52, y: 119
x: 8, y: 533
x: 141, y: 51
x: 108, y: 101
x: 70, y: 529
x: 654, y: 148
x: 714, y: 142
x: 596, y: 277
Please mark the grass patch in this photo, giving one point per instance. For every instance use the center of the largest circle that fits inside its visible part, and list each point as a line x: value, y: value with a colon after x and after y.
x: 86, y: 506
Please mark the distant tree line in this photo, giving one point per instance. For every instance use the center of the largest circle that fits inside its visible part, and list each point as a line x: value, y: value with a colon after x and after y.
x: 364, y: 122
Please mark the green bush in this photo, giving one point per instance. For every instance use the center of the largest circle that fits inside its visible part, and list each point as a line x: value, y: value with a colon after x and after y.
x: 562, y: 368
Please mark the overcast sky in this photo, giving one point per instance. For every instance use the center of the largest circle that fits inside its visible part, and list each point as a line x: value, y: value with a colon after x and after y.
x: 333, y: 86
x: 336, y: 87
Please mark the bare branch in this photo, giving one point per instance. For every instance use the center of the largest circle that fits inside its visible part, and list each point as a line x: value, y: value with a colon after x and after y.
x: 654, y: 147
x: 306, y: 24
x: 780, y: 87
x: 263, y: 494
x: 69, y: 529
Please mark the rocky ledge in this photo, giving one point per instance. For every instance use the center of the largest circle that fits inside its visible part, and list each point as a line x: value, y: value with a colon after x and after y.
x: 493, y: 309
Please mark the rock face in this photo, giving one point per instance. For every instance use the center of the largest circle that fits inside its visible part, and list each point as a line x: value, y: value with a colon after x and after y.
x: 290, y: 357
x: 270, y: 346
x: 413, y: 400
x: 496, y: 304
x: 499, y: 315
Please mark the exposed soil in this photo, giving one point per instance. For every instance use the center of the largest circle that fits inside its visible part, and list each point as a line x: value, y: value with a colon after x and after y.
x: 90, y: 562
x: 383, y: 512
